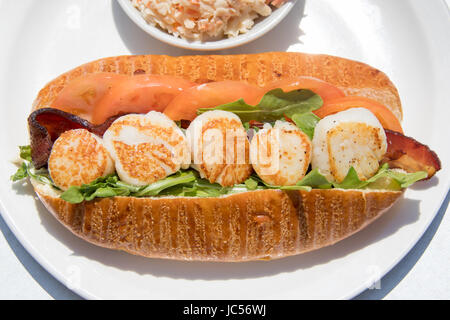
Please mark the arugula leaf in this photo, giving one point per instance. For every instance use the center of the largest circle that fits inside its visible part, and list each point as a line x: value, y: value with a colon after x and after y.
x: 304, y: 188
x: 21, y: 173
x: 73, y: 195
x: 27, y: 170
x: 25, y: 153
x: 269, y: 186
x: 197, y: 188
x: 383, y: 177
x: 155, y: 188
x: 42, y: 176
x: 384, y: 183
x: 351, y: 181
x: 102, y: 188
x: 407, y: 179
x: 315, y: 179
x: 131, y: 188
x: 107, y: 192
x: 183, y: 190
x: 251, y: 184
x: 306, y: 122
x: 183, y: 183
x: 273, y: 106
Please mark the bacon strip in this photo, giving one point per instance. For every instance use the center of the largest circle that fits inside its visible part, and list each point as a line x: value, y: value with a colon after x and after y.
x: 46, y: 125
x: 410, y: 155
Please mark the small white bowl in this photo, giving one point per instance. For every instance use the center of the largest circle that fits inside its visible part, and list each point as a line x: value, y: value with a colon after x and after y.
x: 261, y: 27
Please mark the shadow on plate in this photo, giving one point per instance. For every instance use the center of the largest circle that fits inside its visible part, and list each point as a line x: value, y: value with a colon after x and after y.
x: 50, y: 284
x: 391, y: 279
x: 286, y: 33
x: 426, y: 184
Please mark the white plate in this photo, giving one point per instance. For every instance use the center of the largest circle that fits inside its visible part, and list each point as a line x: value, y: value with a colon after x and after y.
x: 409, y: 40
x: 261, y: 27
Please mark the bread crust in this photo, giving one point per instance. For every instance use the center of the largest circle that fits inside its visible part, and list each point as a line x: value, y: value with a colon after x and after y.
x: 266, y: 224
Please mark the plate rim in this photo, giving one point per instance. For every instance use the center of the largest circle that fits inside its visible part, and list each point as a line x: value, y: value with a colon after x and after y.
x: 53, y: 271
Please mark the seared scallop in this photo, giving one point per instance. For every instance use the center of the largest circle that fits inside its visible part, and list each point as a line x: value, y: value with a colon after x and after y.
x: 146, y: 148
x: 351, y: 138
x: 219, y: 148
x: 280, y: 154
x: 78, y: 157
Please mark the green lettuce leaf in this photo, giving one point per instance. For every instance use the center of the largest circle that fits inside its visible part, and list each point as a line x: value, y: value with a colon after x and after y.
x: 41, y: 175
x: 269, y: 186
x: 25, y: 153
x: 251, y: 184
x: 102, y: 188
x: 385, y: 178
x: 273, y: 106
x: 111, y: 186
x: 107, y: 192
x: 406, y: 179
x: 73, y: 195
x: 21, y: 173
x: 306, y: 122
x: 204, y: 188
x: 27, y: 170
x: 304, y: 188
x: 154, y: 189
x: 384, y: 175
x: 315, y: 179
x: 352, y: 181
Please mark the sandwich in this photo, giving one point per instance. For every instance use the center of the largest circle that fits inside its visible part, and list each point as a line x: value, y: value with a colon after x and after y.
x: 226, y: 158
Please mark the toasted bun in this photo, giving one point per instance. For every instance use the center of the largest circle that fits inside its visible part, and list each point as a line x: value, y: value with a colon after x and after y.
x: 266, y: 224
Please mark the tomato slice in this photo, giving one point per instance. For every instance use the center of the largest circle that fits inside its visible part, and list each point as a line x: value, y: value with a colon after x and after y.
x: 325, y: 90
x: 83, y: 94
x: 139, y: 94
x: 209, y: 95
x: 99, y: 96
x: 387, y: 119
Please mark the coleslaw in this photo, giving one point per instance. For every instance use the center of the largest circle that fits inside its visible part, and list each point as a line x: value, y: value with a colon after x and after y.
x: 205, y: 19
